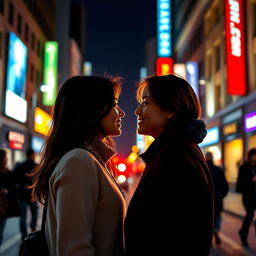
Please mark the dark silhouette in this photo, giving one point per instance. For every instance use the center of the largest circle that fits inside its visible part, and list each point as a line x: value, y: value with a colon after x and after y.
x: 174, y: 198
x: 9, y: 194
x: 23, y: 181
x: 246, y: 184
x: 220, y: 191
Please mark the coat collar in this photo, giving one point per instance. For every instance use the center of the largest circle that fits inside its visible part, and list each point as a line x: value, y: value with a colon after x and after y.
x: 101, y: 150
x: 177, y: 132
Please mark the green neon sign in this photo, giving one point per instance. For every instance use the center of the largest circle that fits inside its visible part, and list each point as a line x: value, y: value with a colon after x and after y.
x: 50, y: 72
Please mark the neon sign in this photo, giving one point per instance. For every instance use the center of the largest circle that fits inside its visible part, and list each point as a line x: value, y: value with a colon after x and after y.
x: 164, y: 48
x: 50, y: 72
x: 236, y: 82
x: 164, y: 66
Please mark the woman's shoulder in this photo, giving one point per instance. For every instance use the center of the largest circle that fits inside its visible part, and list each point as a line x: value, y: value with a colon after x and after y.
x: 76, y: 157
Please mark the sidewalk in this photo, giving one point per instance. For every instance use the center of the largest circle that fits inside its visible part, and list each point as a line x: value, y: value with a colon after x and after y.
x: 233, y: 204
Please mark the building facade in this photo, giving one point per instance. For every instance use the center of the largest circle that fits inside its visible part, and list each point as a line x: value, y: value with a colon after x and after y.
x: 220, y: 36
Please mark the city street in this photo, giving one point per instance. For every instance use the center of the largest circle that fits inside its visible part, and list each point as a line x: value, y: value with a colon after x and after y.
x: 230, y: 245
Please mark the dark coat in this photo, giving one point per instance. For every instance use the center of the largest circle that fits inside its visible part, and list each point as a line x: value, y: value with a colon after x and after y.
x: 245, y: 185
x: 220, y: 186
x: 7, y: 182
x: 172, y: 207
x: 21, y: 172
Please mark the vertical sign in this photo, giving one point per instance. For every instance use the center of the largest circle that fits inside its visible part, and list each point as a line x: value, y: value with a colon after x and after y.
x: 192, y: 75
x: 50, y: 73
x: 164, y: 28
x: 235, y: 48
x: 164, y: 66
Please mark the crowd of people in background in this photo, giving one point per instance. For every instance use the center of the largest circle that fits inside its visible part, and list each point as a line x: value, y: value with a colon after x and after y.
x: 169, y: 111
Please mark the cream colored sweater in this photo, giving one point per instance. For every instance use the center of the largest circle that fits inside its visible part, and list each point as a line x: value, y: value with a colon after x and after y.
x: 86, y: 208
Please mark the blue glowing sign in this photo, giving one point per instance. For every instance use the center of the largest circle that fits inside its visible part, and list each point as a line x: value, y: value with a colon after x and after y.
x: 164, y: 46
x: 16, y: 66
x: 212, y: 137
x: 192, y: 74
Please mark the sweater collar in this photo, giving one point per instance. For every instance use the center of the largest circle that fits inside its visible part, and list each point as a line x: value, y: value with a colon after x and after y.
x: 101, y: 150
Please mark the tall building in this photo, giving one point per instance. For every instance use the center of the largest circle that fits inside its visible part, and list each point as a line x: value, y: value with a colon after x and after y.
x: 25, y: 26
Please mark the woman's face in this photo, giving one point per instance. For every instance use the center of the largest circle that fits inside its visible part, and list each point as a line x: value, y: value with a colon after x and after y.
x: 111, y: 123
x: 152, y: 119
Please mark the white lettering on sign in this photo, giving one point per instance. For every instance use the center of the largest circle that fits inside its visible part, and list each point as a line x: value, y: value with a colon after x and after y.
x: 16, y: 137
x: 235, y: 31
x: 164, y: 28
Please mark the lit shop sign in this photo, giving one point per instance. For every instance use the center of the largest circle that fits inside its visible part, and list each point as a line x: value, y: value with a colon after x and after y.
x: 164, y: 66
x: 192, y: 75
x: 236, y: 82
x: 164, y: 48
x: 230, y: 129
x: 42, y: 121
x: 212, y: 137
x: 15, y: 103
x: 16, y: 140
x: 250, y: 122
x: 50, y: 73
x: 179, y: 69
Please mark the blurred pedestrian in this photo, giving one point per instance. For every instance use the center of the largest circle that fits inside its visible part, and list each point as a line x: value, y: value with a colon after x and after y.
x: 221, y: 190
x: 246, y: 184
x: 172, y: 207
x: 85, y: 206
x: 23, y: 181
x: 9, y: 206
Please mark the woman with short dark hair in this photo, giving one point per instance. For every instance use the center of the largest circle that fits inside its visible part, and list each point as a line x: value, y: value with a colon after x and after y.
x: 172, y: 207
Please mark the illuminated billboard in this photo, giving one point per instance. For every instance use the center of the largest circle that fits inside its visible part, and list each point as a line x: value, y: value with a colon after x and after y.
x: 164, y: 66
x: 16, y: 66
x: 50, y: 73
x: 164, y: 41
x: 15, y: 103
x: 235, y: 48
x: 42, y: 122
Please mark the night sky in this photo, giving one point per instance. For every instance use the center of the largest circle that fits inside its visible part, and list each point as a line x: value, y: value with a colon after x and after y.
x: 116, y: 34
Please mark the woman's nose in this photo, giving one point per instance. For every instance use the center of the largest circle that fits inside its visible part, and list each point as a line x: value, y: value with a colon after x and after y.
x: 137, y: 111
x: 121, y: 112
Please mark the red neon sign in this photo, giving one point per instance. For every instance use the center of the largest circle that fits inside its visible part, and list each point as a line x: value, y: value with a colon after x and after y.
x: 235, y: 48
x: 164, y: 66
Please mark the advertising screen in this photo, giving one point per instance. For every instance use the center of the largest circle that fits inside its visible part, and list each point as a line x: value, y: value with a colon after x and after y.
x: 16, y: 66
x: 15, y: 103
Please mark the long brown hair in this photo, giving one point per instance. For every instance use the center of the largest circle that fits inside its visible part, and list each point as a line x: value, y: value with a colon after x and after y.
x: 81, y: 103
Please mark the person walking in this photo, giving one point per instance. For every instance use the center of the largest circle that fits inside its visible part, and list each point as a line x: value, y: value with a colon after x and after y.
x: 85, y: 205
x: 246, y: 184
x: 172, y: 206
x: 221, y: 188
x: 23, y: 180
x: 9, y: 206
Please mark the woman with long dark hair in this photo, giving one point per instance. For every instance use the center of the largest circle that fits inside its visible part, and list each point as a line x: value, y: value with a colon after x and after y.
x: 171, y: 210
x: 86, y: 207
